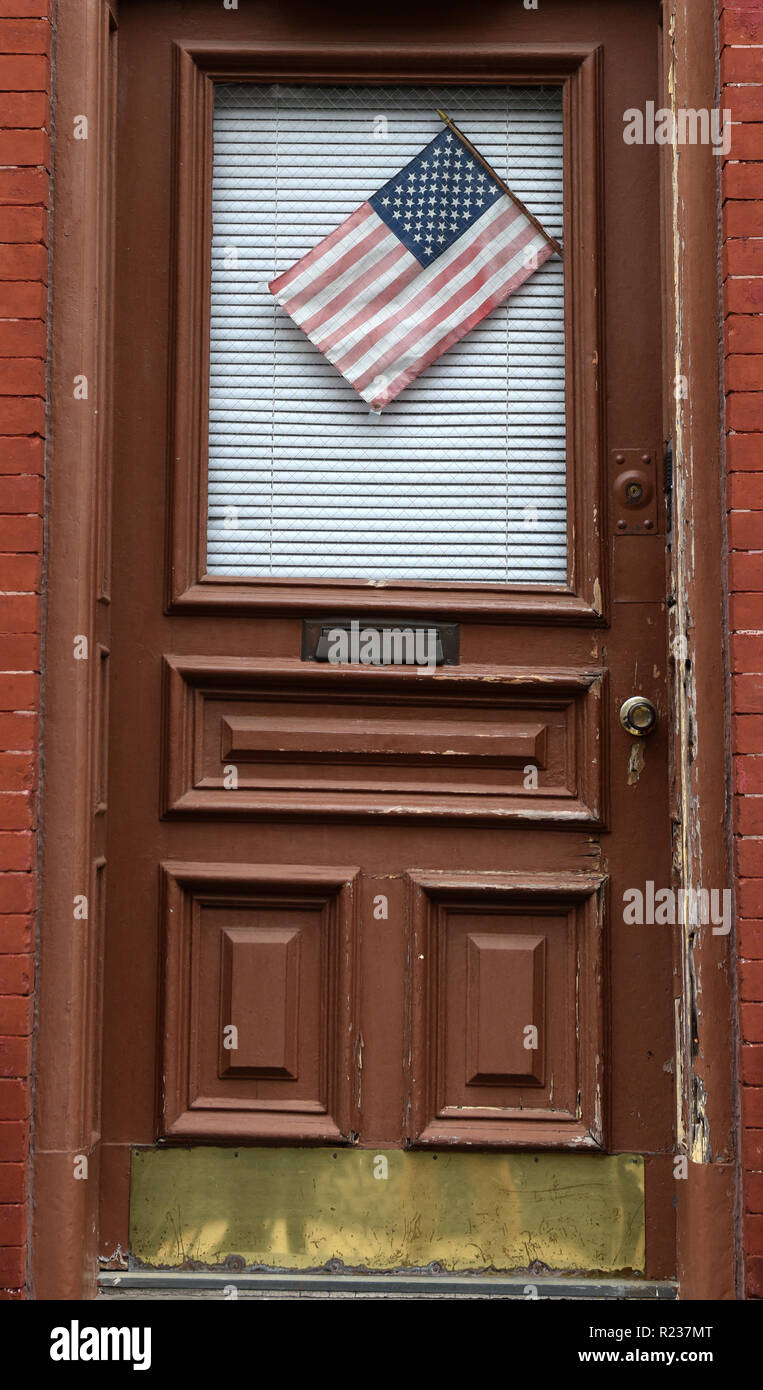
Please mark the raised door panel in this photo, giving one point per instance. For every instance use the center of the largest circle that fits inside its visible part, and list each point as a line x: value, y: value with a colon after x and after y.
x: 258, y: 996
x: 506, y: 1010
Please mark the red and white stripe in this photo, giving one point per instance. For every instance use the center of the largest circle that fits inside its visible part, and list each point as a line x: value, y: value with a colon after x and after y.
x: 381, y: 317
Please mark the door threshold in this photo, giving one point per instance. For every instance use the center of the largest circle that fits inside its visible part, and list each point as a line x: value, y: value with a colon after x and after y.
x: 199, y: 1284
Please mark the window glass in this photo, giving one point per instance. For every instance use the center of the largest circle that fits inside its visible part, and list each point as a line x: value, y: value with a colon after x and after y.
x: 462, y: 477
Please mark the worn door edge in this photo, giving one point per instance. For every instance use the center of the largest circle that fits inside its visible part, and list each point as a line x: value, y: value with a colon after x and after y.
x: 704, y: 962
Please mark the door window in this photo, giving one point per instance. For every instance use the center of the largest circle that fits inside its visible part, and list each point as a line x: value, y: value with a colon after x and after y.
x: 462, y: 477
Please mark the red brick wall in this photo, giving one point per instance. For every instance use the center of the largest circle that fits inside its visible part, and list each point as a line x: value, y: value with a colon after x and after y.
x: 741, y: 37
x: 25, y: 41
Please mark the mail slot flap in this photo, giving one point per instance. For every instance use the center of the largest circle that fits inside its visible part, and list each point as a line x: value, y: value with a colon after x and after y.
x: 356, y: 641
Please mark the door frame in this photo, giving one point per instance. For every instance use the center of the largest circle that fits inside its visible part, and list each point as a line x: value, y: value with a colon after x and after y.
x: 75, y: 723
x: 197, y: 66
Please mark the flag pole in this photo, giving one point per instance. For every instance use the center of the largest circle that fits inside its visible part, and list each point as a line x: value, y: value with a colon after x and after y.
x: 551, y: 240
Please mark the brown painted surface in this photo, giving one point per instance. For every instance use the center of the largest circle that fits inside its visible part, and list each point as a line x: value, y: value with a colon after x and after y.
x: 201, y: 671
x: 700, y: 752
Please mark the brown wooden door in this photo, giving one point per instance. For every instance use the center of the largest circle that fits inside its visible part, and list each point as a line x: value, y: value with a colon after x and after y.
x: 402, y: 890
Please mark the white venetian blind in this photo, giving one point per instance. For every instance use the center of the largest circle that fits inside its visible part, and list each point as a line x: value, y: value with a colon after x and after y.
x: 462, y: 477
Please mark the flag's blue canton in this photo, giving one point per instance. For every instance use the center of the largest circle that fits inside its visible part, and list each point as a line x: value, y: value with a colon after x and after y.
x: 436, y: 198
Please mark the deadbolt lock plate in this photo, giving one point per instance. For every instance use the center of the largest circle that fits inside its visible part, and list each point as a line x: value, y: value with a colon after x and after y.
x: 633, y: 476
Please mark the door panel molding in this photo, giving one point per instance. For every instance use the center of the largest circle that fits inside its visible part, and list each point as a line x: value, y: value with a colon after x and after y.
x: 323, y: 741
x: 197, y: 65
x: 488, y: 953
x: 276, y: 941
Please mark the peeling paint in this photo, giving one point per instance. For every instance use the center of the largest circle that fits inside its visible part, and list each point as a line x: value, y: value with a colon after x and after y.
x: 636, y: 761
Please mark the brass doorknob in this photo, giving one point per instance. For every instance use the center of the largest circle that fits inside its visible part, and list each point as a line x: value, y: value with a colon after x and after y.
x: 638, y: 715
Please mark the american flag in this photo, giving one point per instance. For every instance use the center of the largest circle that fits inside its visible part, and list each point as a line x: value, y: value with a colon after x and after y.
x: 413, y: 269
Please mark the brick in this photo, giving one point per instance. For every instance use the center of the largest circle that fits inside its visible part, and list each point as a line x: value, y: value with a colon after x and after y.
x: 745, y: 531
x: 748, y: 776
x: 17, y: 894
x: 21, y: 574
x: 12, y: 1182
x: 745, y: 572
x: 24, y: 36
x: 742, y: 219
x: 752, y: 1192
x: 748, y: 853
x: 25, y: 300
x: 21, y: 613
x: 18, y: 773
x: 17, y: 851
x: 753, y: 1235
x: 16, y: 934
x: 744, y: 373
x: 750, y: 940
x: 751, y: 982
x: 748, y: 815
x: 25, y: 187
x: 24, y: 262
x: 24, y: 225
x: 743, y: 295
x: 14, y: 1104
x: 743, y: 180
x: 741, y: 26
x: 12, y: 1267
x: 750, y: 903
x: 752, y: 1096
x: 747, y: 733
x: 22, y: 376
x: 744, y: 141
x: 17, y: 811
x: 19, y: 8
x: 744, y: 103
x: 751, y: 1023
x: 22, y: 338
x: 13, y: 1224
x: 15, y: 1056
x: 745, y: 610
x: 16, y: 1016
x: 744, y: 451
x: 746, y: 648
x: 19, y: 691
x: 28, y: 110
x: 740, y: 65
x: 18, y: 734
x: 14, y: 1138
x: 23, y: 455
x: 746, y: 693
x: 24, y: 73
x: 752, y: 1140
x: 744, y: 409
x: 744, y: 333
x: 20, y: 493
x: 743, y: 255
x: 745, y: 490
x: 23, y: 415
x: 753, y: 1277
x: 32, y: 147
x: 22, y: 534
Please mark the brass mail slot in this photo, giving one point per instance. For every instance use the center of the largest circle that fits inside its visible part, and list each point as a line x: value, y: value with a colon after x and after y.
x: 355, y: 641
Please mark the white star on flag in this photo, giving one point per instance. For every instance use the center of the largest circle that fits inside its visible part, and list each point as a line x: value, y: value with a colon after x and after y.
x: 382, y: 304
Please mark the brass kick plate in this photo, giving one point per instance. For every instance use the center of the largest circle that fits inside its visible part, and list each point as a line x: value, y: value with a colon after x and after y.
x: 297, y: 1209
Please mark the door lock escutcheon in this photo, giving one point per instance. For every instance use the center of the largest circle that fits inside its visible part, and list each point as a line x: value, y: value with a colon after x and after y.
x: 638, y: 715
x: 634, y: 491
